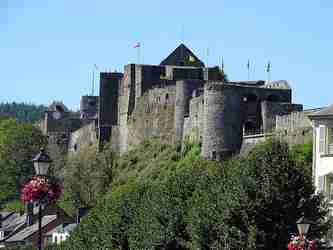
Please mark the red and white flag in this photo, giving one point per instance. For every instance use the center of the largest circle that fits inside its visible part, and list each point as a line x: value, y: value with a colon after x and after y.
x: 137, y: 45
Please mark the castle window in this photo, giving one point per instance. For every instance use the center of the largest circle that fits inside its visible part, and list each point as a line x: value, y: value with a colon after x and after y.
x: 166, y: 98
x: 250, y: 98
x: 213, y: 155
x: 273, y: 98
x: 250, y: 128
x: 92, y: 103
x: 75, y: 147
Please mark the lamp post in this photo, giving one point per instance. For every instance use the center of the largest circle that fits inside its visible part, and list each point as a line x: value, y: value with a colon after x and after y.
x: 41, y: 164
x: 303, y: 226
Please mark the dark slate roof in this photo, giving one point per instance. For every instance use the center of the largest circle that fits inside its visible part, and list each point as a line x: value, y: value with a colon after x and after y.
x: 16, y: 221
x: 8, y: 220
x: 5, y: 214
x: 13, y: 222
x: 28, y: 231
x: 181, y: 56
x: 324, y: 112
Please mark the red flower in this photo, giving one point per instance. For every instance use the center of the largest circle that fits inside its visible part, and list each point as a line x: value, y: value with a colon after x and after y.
x: 298, y: 242
x: 41, y: 189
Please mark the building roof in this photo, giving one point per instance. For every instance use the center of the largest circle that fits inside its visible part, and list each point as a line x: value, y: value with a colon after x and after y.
x: 5, y: 214
x: 7, y: 219
x: 182, y: 56
x: 28, y: 231
x: 14, y: 222
x: 322, y: 113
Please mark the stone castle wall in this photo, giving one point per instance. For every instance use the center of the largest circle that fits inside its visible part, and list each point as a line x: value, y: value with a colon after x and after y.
x: 87, y: 135
x: 153, y: 116
x: 179, y: 100
x: 292, y: 121
x: 222, y: 121
x: 193, y: 125
x: 295, y: 127
x: 175, y: 103
x: 184, y: 92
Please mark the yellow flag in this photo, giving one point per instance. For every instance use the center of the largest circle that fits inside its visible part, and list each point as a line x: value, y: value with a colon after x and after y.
x: 191, y: 59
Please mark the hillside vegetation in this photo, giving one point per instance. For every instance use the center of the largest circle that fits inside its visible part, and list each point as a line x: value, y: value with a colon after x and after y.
x: 22, y: 112
x: 156, y: 198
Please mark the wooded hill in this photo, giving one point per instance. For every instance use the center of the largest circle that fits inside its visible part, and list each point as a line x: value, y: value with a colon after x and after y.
x: 154, y: 197
x: 157, y: 198
x: 23, y: 112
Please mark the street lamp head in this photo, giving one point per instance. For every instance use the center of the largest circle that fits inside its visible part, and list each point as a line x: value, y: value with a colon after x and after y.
x: 303, y: 225
x: 41, y: 162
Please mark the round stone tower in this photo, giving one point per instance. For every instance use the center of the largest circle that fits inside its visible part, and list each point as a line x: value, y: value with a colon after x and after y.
x: 222, y: 125
x: 89, y: 107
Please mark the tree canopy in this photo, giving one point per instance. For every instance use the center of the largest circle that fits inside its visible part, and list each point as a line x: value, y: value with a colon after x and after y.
x: 161, y: 199
x: 19, y: 143
x: 22, y: 112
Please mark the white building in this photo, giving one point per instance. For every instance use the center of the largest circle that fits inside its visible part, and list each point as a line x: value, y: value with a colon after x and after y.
x: 60, y: 233
x: 322, y: 169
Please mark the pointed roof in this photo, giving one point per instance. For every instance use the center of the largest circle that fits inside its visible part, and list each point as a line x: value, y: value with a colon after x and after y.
x: 322, y: 113
x: 182, y: 56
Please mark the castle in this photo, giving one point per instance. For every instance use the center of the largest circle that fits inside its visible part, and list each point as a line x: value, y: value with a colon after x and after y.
x: 179, y: 99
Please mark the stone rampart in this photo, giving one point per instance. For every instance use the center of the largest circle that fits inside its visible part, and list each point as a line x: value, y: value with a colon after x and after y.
x: 87, y: 135
x: 222, y: 124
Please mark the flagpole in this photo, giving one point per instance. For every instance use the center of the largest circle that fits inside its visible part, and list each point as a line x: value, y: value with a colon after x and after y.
x: 138, y: 53
x: 248, y: 74
x: 182, y: 34
x: 207, y: 59
x: 93, y: 82
x: 268, y: 70
x: 222, y: 64
x: 248, y: 69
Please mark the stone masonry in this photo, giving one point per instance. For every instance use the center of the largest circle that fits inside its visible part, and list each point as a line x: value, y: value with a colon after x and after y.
x: 181, y: 99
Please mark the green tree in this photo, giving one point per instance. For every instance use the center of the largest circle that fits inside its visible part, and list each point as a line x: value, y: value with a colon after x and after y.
x: 280, y: 189
x: 22, y: 112
x: 19, y: 143
x: 161, y: 199
x: 87, y: 176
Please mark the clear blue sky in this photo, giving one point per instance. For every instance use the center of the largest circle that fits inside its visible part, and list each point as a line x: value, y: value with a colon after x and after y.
x: 48, y: 47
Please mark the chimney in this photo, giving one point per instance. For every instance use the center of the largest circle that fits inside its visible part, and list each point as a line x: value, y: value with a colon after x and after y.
x: 30, y: 213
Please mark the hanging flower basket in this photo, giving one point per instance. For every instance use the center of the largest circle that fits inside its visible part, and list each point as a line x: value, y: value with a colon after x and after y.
x: 41, y: 189
x: 298, y: 243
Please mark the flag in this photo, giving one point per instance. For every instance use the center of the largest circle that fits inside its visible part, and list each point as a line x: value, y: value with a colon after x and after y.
x: 137, y: 45
x: 222, y: 63
x: 191, y: 59
x: 248, y: 64
x: 268, y: 69
x: 95, y: 66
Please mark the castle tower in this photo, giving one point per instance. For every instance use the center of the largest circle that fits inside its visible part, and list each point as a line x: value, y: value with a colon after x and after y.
x: 108, y: 104
x: 89, y: 107
x: 222, y: 125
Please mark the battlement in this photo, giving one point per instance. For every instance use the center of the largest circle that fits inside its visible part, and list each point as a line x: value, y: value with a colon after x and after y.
x: 180, y: 98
